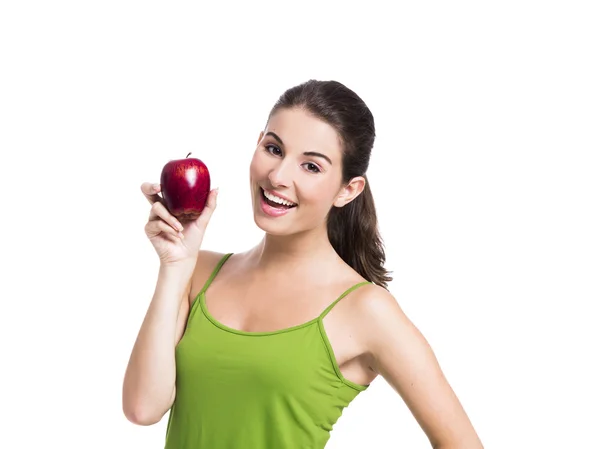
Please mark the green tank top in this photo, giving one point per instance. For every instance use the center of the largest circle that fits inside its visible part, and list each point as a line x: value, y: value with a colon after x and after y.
x: 255, y: 390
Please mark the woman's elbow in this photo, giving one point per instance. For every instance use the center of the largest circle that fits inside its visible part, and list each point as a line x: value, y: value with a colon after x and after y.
x: 142, y: 417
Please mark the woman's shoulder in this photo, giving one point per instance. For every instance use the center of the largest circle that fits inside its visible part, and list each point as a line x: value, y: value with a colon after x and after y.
x: 368, y: 295
x: 369, y: 303
x: 377, y: 313
x: 206, y: 262
x: 358, y: 291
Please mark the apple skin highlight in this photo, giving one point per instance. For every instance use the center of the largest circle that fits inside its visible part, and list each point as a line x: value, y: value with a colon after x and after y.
x: 185, y: 185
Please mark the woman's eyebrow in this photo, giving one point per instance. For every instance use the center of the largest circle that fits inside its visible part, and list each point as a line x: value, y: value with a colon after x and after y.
x: 276, y: 137
x: 314, y: 153
x: 306, y: 153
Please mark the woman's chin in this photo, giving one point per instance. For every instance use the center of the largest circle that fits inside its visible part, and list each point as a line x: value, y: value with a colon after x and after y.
x: 269, y: 227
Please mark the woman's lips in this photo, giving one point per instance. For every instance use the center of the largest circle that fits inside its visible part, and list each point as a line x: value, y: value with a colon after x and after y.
x: 270, y: 210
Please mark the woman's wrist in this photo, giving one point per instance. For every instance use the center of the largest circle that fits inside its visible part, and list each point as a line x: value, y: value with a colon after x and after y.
x: 180, y: 269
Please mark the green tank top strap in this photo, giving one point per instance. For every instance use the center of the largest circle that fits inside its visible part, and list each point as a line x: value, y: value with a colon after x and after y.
x: 215, y: 271
x: 350, y: 290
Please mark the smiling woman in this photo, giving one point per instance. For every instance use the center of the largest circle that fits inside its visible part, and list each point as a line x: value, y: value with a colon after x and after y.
x: 265, y: 348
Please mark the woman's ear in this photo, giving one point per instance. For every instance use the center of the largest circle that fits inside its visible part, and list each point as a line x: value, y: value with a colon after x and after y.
x: 350, y: 191
x: 262, y: 133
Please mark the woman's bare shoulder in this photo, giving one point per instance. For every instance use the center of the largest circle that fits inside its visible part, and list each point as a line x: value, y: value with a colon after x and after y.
x: 205, y: 264
x: 208, y: 259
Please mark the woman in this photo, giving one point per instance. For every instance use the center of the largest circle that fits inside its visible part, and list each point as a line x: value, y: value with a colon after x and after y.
x: 264, y: 349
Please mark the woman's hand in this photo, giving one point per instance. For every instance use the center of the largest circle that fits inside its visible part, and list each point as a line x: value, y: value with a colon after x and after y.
x: 175, y: 242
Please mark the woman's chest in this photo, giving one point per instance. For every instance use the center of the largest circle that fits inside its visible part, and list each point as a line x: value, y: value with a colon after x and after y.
x: 272, y: 311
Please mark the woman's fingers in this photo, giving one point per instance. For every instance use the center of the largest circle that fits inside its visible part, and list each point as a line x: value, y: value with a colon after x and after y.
x: 209, y: 208
x: 150, y: 191
x: 155, y: 227
x: 159, y: 211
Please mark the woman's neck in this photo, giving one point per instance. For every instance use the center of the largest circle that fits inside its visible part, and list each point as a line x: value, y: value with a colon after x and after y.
x: 291, y: 253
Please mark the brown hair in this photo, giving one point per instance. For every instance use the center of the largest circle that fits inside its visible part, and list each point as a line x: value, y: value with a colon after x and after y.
x: 352, y: 229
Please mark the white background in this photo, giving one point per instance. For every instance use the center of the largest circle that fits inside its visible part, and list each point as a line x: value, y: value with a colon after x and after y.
x: 485, y: 171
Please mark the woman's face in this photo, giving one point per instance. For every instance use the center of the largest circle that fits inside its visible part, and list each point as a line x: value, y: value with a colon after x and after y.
x: 298, y: 158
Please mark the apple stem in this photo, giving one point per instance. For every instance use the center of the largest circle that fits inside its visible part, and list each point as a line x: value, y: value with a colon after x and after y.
x: 188, y: 155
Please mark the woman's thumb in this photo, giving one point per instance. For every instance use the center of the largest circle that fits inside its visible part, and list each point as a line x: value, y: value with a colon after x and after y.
x: 209, y: 208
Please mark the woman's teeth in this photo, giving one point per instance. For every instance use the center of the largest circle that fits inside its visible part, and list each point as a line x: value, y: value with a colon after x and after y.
x: 278, y: 200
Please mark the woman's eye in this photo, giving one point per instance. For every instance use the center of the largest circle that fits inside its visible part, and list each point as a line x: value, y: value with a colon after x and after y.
x: 276, y: 151
x: 273, y: 149
x: 312, y: 167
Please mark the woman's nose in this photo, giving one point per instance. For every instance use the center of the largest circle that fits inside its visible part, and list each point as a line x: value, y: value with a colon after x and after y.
x: 281, y: 175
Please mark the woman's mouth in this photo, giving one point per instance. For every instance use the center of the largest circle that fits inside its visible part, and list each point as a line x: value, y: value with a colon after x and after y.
x: 273, y: 205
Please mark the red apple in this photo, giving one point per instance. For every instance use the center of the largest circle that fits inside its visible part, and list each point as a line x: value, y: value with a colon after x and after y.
x: 185, y: 185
